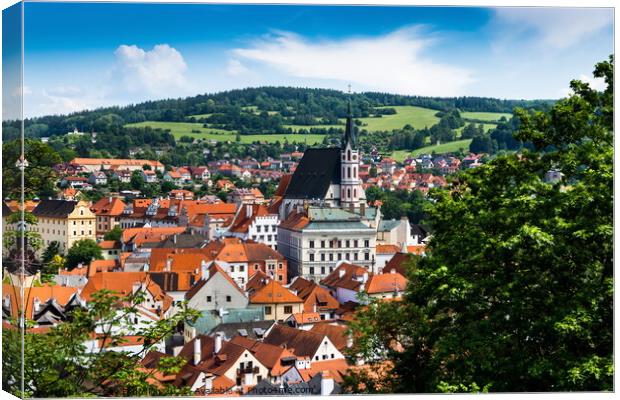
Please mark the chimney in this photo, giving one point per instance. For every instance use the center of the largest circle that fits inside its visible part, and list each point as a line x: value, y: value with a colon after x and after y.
x: 174, y: 238
x: 208, y: 384
x: 218, y: 342
x: 349, y: 341
x: 248, y: 210
x: 365, y: 277
x: 363, y: 209
x: 392, y: 271
x: 327, y: 383
x: 314, y: 307
x: 168, y: 264
x: 110, y: 199
x: 36, y: 305
x: 204, y: 275
x: 341, y: 272
x: 197, y: 351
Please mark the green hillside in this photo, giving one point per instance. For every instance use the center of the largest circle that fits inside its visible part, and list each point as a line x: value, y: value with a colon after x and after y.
x: 400, y: 155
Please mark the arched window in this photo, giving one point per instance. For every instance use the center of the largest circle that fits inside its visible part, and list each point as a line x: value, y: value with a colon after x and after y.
x: 348, y: 193
x: 354, y: 192
x: 349, y: 155
x: 355, y: 172
x: 348, y: 172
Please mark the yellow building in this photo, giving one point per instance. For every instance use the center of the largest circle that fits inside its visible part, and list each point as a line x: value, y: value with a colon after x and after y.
x: 278, y: 302
x: 64, y: 221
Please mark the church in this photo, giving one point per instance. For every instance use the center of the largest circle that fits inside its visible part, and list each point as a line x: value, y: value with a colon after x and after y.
x: 328, y: 177
x: 325, y: 218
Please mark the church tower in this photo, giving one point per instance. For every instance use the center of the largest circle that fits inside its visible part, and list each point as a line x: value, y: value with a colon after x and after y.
x: 351, y: 191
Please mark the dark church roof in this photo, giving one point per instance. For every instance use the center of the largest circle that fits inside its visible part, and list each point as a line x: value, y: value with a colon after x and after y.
x: 317, y: 169
x: 54, y: 208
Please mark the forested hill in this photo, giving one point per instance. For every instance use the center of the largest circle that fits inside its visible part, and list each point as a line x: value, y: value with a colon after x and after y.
x: 257, y: 110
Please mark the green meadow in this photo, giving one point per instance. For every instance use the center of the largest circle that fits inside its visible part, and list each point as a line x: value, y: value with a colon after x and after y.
x: 418, y: 117
x: 179, y: 129
x: 449, y: 147
x: 485, y: 116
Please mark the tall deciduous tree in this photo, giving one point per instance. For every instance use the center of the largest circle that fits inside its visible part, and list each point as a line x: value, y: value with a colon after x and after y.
x: 516, y: 293
x: 83, y: 251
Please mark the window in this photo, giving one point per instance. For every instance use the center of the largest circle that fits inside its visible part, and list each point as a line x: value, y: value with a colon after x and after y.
x: 232, y: 268
x: 288, y: 309
x: 241, y: 268
x: 348, y: 193
x: 331, y: 256
x: 355, y: 243
x: 355, y: 256
x: 347, y: 243
x: 366, y: 256
x: 316, y: 358
x: 228, y: 299
x: 323, y: 257
x: 258, y: 378
x: 322, y: 244
x: 280, y: 266
x: 258, y: 228
x: 324, y: 357
x: 366, y: 243
x: 323, y: 270
x: 208, y: 299
x: 267, y: 310
x: 339, y: 256
x: 311, y: 257
x: 332, y: 355
x: 311, y: 270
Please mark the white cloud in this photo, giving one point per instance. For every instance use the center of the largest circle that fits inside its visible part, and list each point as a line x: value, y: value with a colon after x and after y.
x: 63, y: 100
x: 555, y: 28
x: 157, y: 71
x: 393, y: 62
x: 235, y: 67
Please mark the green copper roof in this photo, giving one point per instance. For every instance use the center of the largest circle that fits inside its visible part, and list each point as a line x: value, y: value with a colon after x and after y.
x: 331, y: 214
x: 388, y: 225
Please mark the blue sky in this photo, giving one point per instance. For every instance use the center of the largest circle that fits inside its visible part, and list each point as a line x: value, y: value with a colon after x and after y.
x: 88, y: 55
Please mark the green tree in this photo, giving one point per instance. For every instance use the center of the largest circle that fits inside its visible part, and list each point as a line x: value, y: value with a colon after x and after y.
x: 83, y: 251
x: 39, y: 176
x: 50, y: 251
x: 516, y: 290
x: 114, y: 234
x: 57, y: 364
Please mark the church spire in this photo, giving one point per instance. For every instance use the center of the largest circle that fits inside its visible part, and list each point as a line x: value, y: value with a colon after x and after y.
x: 349, y: 131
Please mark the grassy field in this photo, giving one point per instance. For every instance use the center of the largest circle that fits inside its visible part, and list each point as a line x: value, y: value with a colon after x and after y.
x: 197, y: 116
x: 418, y: 117
x: 487, y: 127
x: 179, y: 129
x: 485, y: 116
x: 297, y: 128
x: 400, y: 155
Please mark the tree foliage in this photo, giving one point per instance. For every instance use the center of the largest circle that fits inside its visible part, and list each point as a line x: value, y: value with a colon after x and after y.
x: 83, y: 252
x: 58, y: 363
x: 516, y: 292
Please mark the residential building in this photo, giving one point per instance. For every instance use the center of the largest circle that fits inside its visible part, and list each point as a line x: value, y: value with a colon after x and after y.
x: 215, y: 291
x: 277, y: 302
x: 64, y: 221
x: 99, y: 164
x: 255, y: 222
x: 98, y: 178
x: 108, y: 211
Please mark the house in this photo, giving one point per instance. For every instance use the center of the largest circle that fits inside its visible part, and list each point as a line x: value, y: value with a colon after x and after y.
x: 346, y: 282
x: 277, y: 359
x: 181, y: 194
x: 64, y: 221
x: 246, y: 196
x: 303, y: 320
x: 200, y: 174
x: 149, y: 176
x: 316, y: 299
x: 99, y: 164
x: 255, y: 222
x: 209, y: 320
x: 75, y: 182
x: 385, y: 252
x: 388, y: 285
x: 46, y: 306
x: 174, y: 177
x: 277, y: 301
x: 213, y: 358
x: 313, y: 346
x: 225, y: 185
x: 98, y: 178
x: 123, y: 175
x: 110, y: 249
x: 215, y: 290
x: 108, y: 211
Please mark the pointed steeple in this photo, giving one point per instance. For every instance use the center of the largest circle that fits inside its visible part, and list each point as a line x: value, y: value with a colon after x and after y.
x: 349, y: 131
